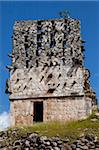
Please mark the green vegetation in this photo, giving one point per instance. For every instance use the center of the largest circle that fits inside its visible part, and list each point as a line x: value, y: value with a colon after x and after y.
x: 71, y: 130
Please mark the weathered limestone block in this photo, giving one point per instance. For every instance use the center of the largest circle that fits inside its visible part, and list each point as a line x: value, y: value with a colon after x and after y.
x: 21, y: 112
x: 67, y: 108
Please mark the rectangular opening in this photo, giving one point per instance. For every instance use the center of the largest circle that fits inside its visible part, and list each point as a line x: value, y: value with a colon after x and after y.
x: 39, y: 22
x: 39, y: 45
x: 27, y: 63
x: 26, y: 38
x: 38, y: 112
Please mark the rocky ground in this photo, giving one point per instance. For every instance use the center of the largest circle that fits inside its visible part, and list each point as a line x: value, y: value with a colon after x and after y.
x: 35, y: 141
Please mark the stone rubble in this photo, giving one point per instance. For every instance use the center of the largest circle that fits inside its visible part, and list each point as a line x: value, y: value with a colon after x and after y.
x: 34, y: 141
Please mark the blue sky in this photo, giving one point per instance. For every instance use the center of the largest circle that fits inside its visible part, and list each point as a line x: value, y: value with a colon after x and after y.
x: 87, y: 12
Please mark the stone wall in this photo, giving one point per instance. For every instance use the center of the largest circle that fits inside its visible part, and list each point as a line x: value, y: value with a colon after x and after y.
x: 46, y: 83
x: 70, y: 108
x: 21, y: 112
x: 54, y: 109
x: 47, y: 59
x: 46, y: 43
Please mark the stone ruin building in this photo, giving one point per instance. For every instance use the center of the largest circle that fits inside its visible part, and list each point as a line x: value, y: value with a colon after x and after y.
x: 48, y: 81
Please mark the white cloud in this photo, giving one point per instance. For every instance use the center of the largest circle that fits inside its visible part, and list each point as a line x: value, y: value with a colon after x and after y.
x: 4, y: 121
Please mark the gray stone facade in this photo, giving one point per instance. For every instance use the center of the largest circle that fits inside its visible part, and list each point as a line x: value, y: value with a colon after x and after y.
x: 47, y: 75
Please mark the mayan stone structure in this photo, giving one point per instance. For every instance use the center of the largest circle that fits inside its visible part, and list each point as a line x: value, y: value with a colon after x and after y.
x: 47, y: 78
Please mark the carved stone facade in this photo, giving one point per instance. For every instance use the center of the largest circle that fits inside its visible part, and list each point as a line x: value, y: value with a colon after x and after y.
x: 47, y: 78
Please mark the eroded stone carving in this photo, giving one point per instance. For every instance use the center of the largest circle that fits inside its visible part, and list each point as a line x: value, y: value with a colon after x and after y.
x: 47, y: 62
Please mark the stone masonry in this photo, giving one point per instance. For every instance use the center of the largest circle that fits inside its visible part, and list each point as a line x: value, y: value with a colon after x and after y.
x: 48, y: 81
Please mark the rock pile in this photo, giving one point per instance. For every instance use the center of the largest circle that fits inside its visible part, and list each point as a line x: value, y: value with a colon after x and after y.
x: 88, y: 142
x: 34, y: 141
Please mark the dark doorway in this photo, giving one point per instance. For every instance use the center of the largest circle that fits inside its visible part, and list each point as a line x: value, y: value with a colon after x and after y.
x: 38, y: 111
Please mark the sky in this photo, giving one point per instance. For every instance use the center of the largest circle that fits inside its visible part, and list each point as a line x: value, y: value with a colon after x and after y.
x: 86, y: 11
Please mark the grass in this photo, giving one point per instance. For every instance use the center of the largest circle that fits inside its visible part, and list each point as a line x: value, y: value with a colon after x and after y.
x: 71, y: 129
